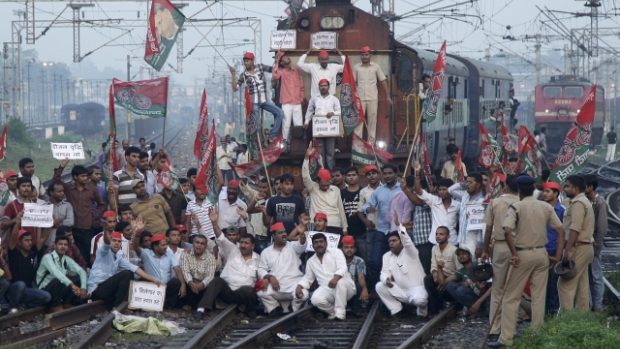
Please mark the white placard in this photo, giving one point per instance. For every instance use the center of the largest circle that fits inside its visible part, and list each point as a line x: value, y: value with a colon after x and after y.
x: 324, y: 40
x: 325, y: 127
x: 332, y: 240
x: 71, y: 151
x: 35, y: 215
x: 475, y: 217
x: 283, y: 40
x: 146, y: 296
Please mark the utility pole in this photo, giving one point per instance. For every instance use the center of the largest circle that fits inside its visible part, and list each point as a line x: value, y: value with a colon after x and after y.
x: 128, y: 112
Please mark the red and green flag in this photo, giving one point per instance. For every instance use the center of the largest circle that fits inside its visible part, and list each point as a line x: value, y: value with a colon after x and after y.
x: 459, y: 172
x: 529, y: 152
x: 164, y: 25
x: 434, y: 92
x: 490, y: 151
x: 207, y: 170
x: 146, y: 97
x: 574, y: 151
x: 271, y: 154
x: 364, y: 153
x: 202, y: 133
x: 3, y: 138
x: 350, y: 103
x: 115, y: 162
x: 426, y: 160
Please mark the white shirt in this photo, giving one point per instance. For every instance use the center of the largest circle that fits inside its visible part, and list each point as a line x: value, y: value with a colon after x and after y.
x: 238, y: 271
x: 365, y: 195
x: 227, y: 212
x: 283, y: 264
x: 242, y: 158
x: 334, y: 263
x: 224, y: 156
x: 150, y: 182
x: 441, y: 216
x: 178, y: 254
x: 405, y: 267
x: 321, y: 105
x: 317, y: 73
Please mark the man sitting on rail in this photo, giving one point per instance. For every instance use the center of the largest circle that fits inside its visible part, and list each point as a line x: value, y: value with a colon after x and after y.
x: 328, y: 267
x: 198, y: 266
x: 111, y: 273
x: 402, y: 274
x: 60, y: 275
x: 279, y: 269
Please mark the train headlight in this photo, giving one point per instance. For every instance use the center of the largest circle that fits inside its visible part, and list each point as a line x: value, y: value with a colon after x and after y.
x: 578, y: 110
x: 332, y: 22
x: 381, y: 144
x: 546, y: 110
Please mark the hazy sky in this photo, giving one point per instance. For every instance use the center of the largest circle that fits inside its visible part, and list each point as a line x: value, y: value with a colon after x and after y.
x: 471, y: 30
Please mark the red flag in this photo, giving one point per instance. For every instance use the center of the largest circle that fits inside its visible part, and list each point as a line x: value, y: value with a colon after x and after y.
x: 5, y: 130
x: 271, y: 154
x: 152, y: 39
x: 350, y: 103
x: 434, y: 92
x: 205, y: 169
x: 164, y: 25
x: 146, y: 97
x: 364, y: 153
x: 203, y: 127
x: 529, y: 153
x: 458, y: 167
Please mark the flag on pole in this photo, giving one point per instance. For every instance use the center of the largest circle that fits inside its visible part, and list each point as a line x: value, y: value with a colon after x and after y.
x: 3, y: 137
x: 496, y: 187
x: 115, y: 162
x: 426, y: 160
x: 202, y: 133
x: 458, y: 168
x: 490, y: 151
x: 574, y: 151
x: 207, y: 170
x: 434, y: 92
x: 167, y: 178
x: 271, y: 154
x: 350, y: 103
x: 315, y: 161
x: 529, y: 152
x: 164, y: 25
x: 364, y: 153
x: 146, y: 97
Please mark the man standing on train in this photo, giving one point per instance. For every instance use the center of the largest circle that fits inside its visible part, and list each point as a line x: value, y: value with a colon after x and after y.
x: 320, y: 71
x: 368, y: 76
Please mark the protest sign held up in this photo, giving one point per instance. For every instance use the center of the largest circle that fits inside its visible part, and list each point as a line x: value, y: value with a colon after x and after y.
x: 71, y: 151
x: 36, y: 215
x: 146, y: 296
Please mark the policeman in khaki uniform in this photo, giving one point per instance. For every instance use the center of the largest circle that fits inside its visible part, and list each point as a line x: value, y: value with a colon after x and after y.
x: 579, y: 222
x: 500, y: 256
x: 525, y: 231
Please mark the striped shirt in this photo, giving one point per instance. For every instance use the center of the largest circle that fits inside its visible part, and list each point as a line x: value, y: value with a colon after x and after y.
x: 123, y: 180
x: 256, y: 83
x: 153, y: 213
x: 201, y: 211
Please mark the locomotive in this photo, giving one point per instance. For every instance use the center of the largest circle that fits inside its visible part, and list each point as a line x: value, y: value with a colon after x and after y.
x: 85, y: 119
x: 473, y: 91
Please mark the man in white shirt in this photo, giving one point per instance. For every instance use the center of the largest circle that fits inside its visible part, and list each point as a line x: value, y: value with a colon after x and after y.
x: 225, y: 154
x: 321, y: 70
x: 231, y: 209
x: 328, y: 106
x: 279, y: 268
x: 197, y: 213
x: 402, y: 275
x: 329, y: 268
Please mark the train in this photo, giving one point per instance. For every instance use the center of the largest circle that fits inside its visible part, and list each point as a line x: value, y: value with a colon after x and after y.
x: 85, y: 119
x: 473, y: 91
x: 557, y: 104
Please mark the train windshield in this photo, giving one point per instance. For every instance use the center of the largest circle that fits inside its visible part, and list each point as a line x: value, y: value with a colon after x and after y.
x: 573, y: 91
x: 552, y: 91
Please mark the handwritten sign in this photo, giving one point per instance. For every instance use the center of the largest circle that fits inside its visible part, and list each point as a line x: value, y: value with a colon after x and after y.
x: 475, y: 217
x: 324, y: 40
x: 71, y: 151
x: 325, y: 127
x: 332, y: 240
x: 146, y: 296
x: 283, y: 40
x: 36, y: 215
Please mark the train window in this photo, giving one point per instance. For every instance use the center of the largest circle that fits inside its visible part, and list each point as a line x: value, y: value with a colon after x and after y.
x: 552, y: 91
x: 573, y: 91
x: 404, y: 72
x: 482, y: 88
x: 450, y: 84
x: 465, y: 91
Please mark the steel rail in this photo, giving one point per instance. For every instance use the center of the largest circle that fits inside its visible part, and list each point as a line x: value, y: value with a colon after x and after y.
x: 74, y: 315
x: 33, y: 341
x: 100, y: 334
x: 13, y: 319
x: 212, y: 329
x: 365, y: 332
x: 423, y: 334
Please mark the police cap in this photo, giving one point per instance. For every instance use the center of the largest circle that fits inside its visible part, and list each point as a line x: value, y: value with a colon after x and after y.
x: 525, y: 180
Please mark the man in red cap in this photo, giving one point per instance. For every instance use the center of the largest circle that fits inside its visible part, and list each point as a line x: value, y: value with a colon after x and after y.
x: 254, y: 78
x: 551, y: 195
x: 321, y: 70
x: 357, y: 269
x: 325, y: 107
x: 369, y: 75
x: 232, y: 211
x: 324, y: 197
x: 279, y: 267
x: 10, y: 191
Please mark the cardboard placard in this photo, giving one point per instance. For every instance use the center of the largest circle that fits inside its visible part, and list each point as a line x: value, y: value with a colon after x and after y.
x: 71, y: 151
x: 324, y: 40
x: 40, y: 216
x: 332, y: 240
x: 283, y: 40
x: 146, y: 296
x: 475, y: 217
x: 325, y: 127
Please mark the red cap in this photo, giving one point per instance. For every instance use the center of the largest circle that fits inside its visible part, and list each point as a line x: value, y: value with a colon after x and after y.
x: 180, y: 227
x: 10, y: 173
x: 233, y: 183
x: 323, y: 54
x: 202, y: 188
x: 324, y: 174
x: 320, y: 215
x: 248, y: 55
x: 158, y: 237
x: 323, y: 81
x: 109, y: 214
x: 277, y: 227
x: 365, y: 49
x: 552, y: 185
x: 369, y: 168
x: 21, y: 233
x: 348, y: 240
x: 116, y: 235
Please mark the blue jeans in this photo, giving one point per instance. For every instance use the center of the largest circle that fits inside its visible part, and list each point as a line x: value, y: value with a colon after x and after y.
x: 379, y: 247
x: 363, y: 243
x: 597, y: 287
x: 18, y: 294
x: 278, y: 114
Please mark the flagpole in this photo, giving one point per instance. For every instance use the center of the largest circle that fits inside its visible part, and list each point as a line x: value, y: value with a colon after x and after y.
x: 163, y: 135
x: 416, y: 136
x: 262, y: 159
